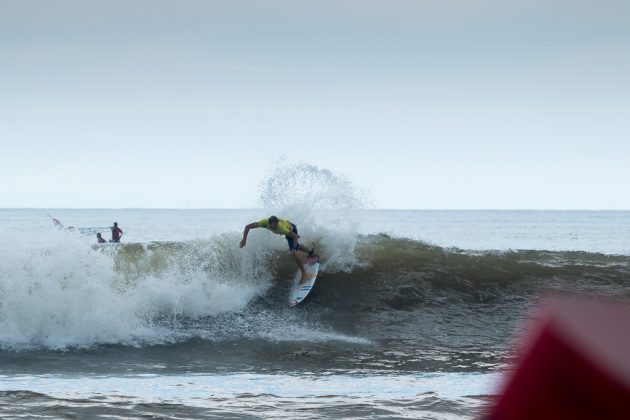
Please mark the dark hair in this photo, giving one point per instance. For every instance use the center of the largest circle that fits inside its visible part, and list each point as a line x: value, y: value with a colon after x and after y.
x: 272, y: 219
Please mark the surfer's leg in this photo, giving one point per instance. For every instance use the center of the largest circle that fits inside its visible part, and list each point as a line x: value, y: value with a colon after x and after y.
x: 300, y: 265
x: 299, y: 246
x: 292, y: 246
x: 296, y: 245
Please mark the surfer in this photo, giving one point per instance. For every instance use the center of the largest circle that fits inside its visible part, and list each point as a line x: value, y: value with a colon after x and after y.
x: 116, y: 232
x: 281, y: 227
x: 100, y: 239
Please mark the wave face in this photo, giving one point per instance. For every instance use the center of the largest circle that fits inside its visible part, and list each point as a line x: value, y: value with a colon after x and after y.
x: 410, y: 274
x: 392, y: 289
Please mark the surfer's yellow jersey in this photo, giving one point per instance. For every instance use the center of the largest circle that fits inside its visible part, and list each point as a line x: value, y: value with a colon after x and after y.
x: 283, y: 228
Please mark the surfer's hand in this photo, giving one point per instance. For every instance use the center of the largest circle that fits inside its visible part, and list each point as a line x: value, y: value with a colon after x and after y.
x: 242, y: 244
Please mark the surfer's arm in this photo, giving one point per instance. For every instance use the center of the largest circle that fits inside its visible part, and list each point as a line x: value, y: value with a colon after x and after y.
x: 245, y: 232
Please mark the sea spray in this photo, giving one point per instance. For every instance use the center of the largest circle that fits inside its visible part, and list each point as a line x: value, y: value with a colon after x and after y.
x: 323, y: 205
x: 59, y: 295
x: 72, y: 294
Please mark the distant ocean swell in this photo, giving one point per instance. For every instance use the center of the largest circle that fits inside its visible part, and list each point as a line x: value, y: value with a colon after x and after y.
x: 165, y: 292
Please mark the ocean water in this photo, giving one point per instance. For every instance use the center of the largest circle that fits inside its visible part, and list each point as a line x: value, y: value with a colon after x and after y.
x: 413, y: 316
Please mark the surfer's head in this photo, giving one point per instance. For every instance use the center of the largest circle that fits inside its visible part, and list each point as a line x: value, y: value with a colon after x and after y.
x: 273, y: 222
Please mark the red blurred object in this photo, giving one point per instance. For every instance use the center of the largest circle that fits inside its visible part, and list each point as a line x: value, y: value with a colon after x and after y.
x: 575, y: 364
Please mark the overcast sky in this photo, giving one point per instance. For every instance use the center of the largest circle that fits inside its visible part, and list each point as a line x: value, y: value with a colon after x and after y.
x: 426, y: 104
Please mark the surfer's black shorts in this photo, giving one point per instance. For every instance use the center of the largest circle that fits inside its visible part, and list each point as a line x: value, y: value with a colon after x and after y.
x: 293, y: 246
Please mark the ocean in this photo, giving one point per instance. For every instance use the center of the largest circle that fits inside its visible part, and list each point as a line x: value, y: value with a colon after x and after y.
x: 415, y: 313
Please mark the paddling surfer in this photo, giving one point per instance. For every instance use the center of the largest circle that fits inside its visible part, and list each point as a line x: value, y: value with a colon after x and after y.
x: 281, y: 227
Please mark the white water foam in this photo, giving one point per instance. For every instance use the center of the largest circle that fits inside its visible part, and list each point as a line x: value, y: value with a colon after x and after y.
x: 322, y: 204
x: 200, y: 389
x: 63, y: 293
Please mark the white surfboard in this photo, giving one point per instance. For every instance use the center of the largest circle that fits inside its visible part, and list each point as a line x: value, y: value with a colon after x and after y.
x: 300, y: 291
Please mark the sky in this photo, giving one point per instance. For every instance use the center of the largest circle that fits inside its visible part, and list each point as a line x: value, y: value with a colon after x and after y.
x: 426, y: 104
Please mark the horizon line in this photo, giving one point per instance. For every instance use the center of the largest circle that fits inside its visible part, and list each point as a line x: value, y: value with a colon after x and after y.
x: 362, y: 208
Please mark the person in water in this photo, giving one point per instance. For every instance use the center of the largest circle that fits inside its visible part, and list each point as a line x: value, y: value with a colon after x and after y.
x: 100, y: 239
x: 116, y: 232
x: 281, y: 227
